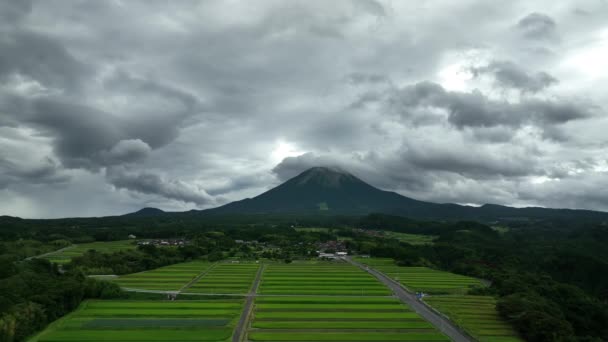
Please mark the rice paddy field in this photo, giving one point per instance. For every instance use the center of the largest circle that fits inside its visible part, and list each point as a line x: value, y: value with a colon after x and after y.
x: 324, y: 278
x: 123, y: 321
x: 310, y: 318
x: 423, y: 279
x: 412, y: 239
x: 168, y: 278
x: 64, y: 256
x: 476, y: 315
x: 226, y: 279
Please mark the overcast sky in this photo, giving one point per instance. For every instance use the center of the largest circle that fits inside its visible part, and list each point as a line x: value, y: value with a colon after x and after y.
x: 110, y: 106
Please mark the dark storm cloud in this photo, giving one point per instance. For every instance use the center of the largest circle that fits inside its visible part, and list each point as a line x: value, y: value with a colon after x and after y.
x: 47, y: 172
x: 150, y: 183
x: 12, y: 12
x: 40, y: 58
x: 474, y: 109
x: 510, y: 75
x: 538, y: 26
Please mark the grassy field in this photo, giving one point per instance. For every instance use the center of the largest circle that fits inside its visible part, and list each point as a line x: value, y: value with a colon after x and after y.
x: 146, y: 321
x: 168, y: 278
x: 323, y: 278
x: 310, y: 318
x: 423, y: 278
x: 477, y: 315
x: 64, y: 256
x: 412, y: 239
x: 226, y: 279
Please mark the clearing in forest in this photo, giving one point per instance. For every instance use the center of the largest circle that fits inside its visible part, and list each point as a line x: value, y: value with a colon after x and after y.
x: 65, y: 255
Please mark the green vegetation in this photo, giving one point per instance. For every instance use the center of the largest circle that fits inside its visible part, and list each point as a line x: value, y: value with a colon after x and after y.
x: 324, y: 278
x: 423, y: 279
x: 65, y: 255
x: 226, y: 279
x: 412, y: 239
x: 337, y: 319
x: 34, y: 293
x: 22, y: 249
x: 168, y: 278
x: 477, y: 315
x: 146, y: 321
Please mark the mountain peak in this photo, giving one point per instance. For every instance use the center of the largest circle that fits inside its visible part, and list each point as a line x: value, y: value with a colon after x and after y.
x: 325, y: 176
x: 148, y: 211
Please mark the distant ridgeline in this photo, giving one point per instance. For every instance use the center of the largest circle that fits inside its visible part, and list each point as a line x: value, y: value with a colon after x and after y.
x: 328, y: 191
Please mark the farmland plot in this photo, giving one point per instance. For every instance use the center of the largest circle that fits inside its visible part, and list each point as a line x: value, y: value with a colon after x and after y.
x: 477, y: 315
x: 64, y: 256
x: 319, y: 279
x: 146, y: 321
x: 226, y: 279
x: 168, y: 278
x: 337, y: 318
x: 423, y: 278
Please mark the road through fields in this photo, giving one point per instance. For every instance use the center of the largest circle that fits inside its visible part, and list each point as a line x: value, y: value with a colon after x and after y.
x: 241, y: 326
x: 441, y: 323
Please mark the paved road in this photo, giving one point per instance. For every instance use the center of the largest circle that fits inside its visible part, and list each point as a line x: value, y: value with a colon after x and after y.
x: 239, y: 331
x: 441, y: 323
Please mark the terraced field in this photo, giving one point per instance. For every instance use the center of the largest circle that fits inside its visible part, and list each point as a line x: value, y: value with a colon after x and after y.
x: 423, y: 278
x: 64, y: 256
x: 337, y: 319
x: 169, y: 278
x: 319, y: 279
x: 226, y: 279
x: 146, y: 321
x: 476, y: 315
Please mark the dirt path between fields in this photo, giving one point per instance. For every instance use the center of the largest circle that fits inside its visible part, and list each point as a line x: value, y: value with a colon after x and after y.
x: 197, y: 278
x: 51, y: 253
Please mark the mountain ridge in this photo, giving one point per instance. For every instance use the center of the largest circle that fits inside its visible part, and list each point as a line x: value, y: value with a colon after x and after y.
x: 334, y: 191
x: 328, y: 190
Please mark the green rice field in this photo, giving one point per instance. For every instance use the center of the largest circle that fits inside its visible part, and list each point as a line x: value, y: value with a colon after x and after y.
x: 423, y: 279
x: 226, y: 279
x: 64, y: 256
x: 412, y: 239
x: 324, y: 278
x: 476, y: 315
x: 310, y: 318
x: 168, y: 278
x: 124, y: 321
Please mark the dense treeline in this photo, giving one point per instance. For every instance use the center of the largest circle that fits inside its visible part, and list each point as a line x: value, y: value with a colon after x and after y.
x: 34, y: 293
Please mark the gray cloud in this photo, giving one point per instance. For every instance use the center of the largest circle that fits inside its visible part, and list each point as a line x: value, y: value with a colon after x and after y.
x: 510, y: 75
x: 42, y: 59
x: 538, y: 26
x: 474, y: 109
x: 149, y: 183
x: 45, y: 172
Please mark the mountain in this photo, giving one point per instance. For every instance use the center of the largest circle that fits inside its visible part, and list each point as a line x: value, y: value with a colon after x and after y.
x: 147, y: 212
x: 324, y: 190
